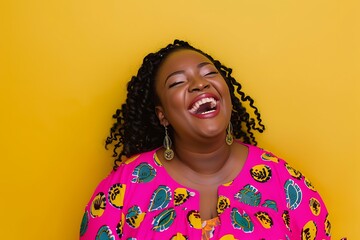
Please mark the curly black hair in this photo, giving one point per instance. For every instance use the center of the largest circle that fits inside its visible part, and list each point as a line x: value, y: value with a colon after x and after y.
x: 137, y: 128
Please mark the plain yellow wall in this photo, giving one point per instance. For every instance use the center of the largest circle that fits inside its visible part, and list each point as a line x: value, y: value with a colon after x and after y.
x: 64, y: 66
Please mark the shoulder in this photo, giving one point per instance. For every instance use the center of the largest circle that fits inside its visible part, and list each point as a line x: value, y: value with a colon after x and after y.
x: 303, y: 203
x: 260, y: 156
x: 105, y: 206
x: 257, y: 155
x: 138, y: 168
x: 264, y: 165
x: 134, y: 169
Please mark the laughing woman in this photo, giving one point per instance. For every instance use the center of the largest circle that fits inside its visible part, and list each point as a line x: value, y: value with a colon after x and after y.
x: 187, y: 165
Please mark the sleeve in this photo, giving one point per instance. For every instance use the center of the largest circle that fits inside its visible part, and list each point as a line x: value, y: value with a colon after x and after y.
x: 306, y: 215
x: 102, y: 218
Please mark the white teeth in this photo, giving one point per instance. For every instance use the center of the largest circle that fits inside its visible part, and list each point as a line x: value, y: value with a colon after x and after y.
x: 196, y: 105
x: 208, y: 112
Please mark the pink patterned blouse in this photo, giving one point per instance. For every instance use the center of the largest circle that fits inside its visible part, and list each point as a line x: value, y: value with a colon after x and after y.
x: 267, y: 200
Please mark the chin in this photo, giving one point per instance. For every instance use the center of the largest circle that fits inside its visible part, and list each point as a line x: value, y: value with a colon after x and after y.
x: 212, y: 132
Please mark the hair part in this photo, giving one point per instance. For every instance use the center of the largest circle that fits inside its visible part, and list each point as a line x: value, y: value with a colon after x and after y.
x: 137, y: 128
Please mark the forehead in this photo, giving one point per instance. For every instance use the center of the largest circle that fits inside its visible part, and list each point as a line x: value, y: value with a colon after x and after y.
x: 181, y: 59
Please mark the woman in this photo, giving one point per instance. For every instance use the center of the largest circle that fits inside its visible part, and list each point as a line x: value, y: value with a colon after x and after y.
x: 201, y: 184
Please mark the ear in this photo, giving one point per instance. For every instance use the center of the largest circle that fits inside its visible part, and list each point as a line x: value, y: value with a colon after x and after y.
x: 161, y: 115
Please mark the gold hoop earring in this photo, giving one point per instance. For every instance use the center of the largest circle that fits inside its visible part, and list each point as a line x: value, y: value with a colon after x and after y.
x: 229, y: 135
x: 168, y: 153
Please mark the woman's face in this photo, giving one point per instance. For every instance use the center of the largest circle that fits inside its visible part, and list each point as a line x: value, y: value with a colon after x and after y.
x: 194, y: 97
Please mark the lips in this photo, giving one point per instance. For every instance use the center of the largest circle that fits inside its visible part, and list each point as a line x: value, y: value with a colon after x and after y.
x: 204, y: 106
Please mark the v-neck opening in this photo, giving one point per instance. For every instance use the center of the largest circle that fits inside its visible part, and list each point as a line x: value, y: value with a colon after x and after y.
x: 235, y: 180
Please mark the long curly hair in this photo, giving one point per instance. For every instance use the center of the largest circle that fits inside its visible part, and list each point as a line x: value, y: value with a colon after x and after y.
x: 137, y: 128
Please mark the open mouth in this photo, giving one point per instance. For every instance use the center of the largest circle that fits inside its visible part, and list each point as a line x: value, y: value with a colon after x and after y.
x: 204, y: 106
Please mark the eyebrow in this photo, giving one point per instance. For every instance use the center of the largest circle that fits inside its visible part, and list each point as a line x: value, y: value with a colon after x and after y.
x: 200, y: 65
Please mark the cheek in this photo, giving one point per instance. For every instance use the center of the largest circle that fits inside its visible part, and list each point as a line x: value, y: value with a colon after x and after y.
x: 176, y: 101
x: 230, y: 101
x: 173, y: 102
x: 225, y: 92
x: 227, y: 97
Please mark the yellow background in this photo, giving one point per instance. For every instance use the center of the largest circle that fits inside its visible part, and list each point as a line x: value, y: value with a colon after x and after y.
x: 64, y: 66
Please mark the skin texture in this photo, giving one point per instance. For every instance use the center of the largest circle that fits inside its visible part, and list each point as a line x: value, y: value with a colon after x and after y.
x: 203, y: 160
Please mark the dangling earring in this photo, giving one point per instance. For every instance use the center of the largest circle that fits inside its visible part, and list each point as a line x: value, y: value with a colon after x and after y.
x: 169, y: 153
x: 229, y: 137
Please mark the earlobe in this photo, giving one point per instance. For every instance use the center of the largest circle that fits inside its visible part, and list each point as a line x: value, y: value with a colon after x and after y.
x: 161, y: 116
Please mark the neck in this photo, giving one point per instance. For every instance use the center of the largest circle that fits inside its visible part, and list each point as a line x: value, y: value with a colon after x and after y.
x: 206, y: 160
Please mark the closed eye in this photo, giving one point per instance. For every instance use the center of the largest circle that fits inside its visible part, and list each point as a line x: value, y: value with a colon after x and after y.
x: 211, y: 73
x: 174, y: 84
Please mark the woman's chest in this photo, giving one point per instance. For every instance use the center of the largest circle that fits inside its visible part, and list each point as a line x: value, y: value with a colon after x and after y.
x: 167, y: 211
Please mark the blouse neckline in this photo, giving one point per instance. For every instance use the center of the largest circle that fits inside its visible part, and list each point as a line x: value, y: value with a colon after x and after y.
x: 235, y: 180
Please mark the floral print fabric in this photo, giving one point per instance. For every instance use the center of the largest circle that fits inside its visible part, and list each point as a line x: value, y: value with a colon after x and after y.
x: 267, y: 200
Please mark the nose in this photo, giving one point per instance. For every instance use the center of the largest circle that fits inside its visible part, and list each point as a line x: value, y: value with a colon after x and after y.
x: 198, y: 84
